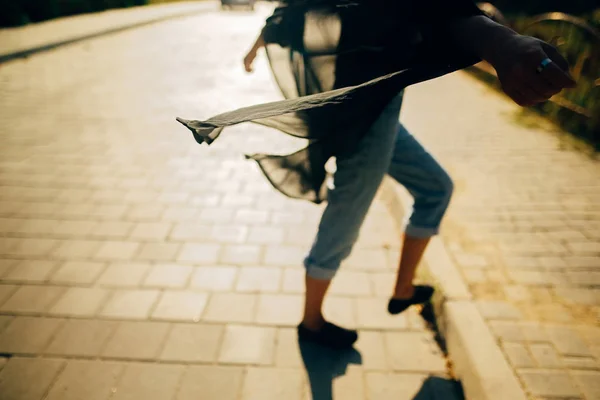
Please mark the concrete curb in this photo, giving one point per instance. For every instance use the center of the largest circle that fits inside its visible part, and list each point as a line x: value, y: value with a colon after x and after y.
x: 476, y: 356
x: 79, y: 37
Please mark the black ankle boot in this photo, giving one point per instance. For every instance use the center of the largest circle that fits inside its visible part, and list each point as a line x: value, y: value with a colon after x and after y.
x: 421, y: 295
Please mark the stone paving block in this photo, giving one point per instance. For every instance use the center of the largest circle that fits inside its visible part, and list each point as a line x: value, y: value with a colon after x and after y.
x: 273, y: 384
x: 285, y: 256
x: 81, y: 337
x: 351, y: 283
x: 80, y: 302
x: 76, y: 249
x: 498, y: 310
x: 545, y: 355
x: 28, y: 379
x: 350, y: 385
x: 293, y: 280
x: 219, y: 278
x: 300, y: 236
x: 279, y: 309
x: 32, y: 299
x: 518, y: 355
x: 6, y: 266
x: 33, y: 247
x: 77, y: 272
x: 111, y: 229
x: 192, y: 343
x: 474, y: 275
x: 588, y: 382
x: 413, y: 351
x: 371, y: 345
x: 248, y: 345
x: 179, y: 213
x: 148, y: 381
x: 199, y: 253
x: 581, y: 261
x: 38, y: 227
x: 582, y: 363
x: 587, y: 247
x: 231, y: 307
x: 372, y: 314
x: 168, y: 276
x: 149, y: 231
x: 211, y: 382
x: 258, y: 279
x: 537, y: 277
x: 249, y: 216
x: 115, y: 250
x: 516, y: 293
x: 340, y: 310
x: 549, y: 383
x: 5, y: 320
x: 241, y: 254
x: 89, y: 380
x: 30, y: 271
x: 579, y: 296
x: 392, y: 386
x: 470, y: 260
x: 180, y: 305
x: 269, y: 235
x: 287, y: 352
x: 73, y: 228
x: 567, y: 341
x: 124, y: 274
x: 158, y: 251
x: 229, y: 233
x: 135, y: 304
x: 216, y: 215
x: 584, y: 278
x: 367, y: 259
x: 148, y: 212
x: 190, y: 231
x: 136, y: 340
x: 287, y: 218
x: 6, y: 291
x: 28, y: 334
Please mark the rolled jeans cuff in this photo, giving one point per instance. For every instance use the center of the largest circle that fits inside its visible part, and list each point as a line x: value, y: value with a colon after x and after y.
x: 317, y: 272
x: 420, y: 232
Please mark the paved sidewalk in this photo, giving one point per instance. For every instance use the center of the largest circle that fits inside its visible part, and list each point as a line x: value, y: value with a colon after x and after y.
x: 524, y: 230
x: 135, y: 264
x: 29, y: 38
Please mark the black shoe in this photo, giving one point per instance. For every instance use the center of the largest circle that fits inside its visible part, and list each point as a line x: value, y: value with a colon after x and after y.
x: 421, y: 295
x: 329, y: 335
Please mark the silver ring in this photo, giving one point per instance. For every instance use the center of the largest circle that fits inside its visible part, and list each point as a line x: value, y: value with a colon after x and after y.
x: 545, y: 62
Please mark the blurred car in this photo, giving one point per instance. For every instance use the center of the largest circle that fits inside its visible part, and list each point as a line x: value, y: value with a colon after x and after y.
x: 229, y: 4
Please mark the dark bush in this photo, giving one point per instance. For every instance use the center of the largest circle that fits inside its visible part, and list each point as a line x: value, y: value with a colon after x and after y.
x: 20, y: 12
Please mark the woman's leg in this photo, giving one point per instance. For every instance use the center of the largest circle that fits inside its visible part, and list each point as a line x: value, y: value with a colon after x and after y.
x: 431, y: 187
x: 356, y: 181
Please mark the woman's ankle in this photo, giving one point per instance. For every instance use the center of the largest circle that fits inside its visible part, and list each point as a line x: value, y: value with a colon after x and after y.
x: 313, y: 323
x: 404, y: 291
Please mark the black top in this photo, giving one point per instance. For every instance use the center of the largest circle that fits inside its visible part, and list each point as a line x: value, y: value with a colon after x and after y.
x: 339, y: 63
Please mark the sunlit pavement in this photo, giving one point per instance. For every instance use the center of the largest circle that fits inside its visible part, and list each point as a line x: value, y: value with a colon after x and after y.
x: 136, y: 264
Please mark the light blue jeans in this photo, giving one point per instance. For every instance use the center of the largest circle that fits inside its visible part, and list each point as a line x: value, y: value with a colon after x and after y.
x: 387, y: 148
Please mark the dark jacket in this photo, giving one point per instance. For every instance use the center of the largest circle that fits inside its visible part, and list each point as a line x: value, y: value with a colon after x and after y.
x: 339, y: 63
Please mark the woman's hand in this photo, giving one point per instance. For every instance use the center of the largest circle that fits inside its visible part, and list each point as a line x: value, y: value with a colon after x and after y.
x: 530, y: 71
x: 249, y: 60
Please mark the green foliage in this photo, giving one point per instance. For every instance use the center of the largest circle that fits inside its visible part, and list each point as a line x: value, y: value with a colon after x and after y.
x: 20, y: 12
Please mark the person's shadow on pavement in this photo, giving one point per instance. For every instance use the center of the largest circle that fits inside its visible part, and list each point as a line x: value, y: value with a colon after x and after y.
x: 436, y: 388
x: 323, y: 365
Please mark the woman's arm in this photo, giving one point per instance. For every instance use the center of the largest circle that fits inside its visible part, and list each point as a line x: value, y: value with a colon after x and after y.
x: 516, y: 59
x: 249, y: 59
